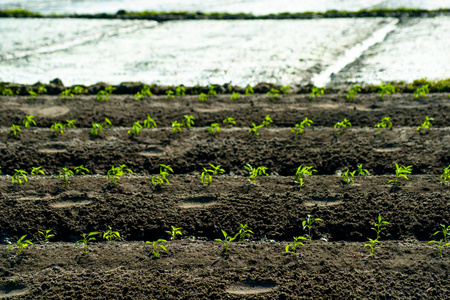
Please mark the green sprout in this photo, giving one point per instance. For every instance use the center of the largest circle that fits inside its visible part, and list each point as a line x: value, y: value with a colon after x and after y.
x: 207, y: 174
x: 343, y: 124
x: 316, y: 92
x: 70, y: 123
x: 173, y: 233
x: 235, y: 96
x: 255, y: 172
x: 445, y: 177
x: 103, y: 95
x: 149, y: 122
x: 57, y: 128
x: 347, y: 177
x: 188, y: 121
x: 421, y: 91
x: 249, y: 90
x: 229, y: 122
x: 80, y: 170
x: 255, y: 128
x: 267, y: 121
x: 176, y: 126
x: 78, y: 90
x: 285, y: 89
x: 110, y: 89
x: 442, y: 242
x: 214, y: 128
x: 425, y: 125
x: 308, y: 224
x: 37, y: 171
x: 46, y: 235
x: 136, y: 129
x: 15, y: 130
x: 227, y: 239
x: 164, y: 170
x: 65, y: 174
x: 170, y: 94
x: 295, y: 243
x: 8, y: 92
x: 19, y: 177
x: 385, y: 123
x: 85, y: 240
x: 32, y: 93
x: 145, y: 91
x: 115, y: 173
x: 400, y: 171
x: 273, y: 93
x: 111, y: 235
x: 361, y: 171
x: 203, y: 97
x: 67, y: 93
x: 42, y: 90
x: 20, y: 244
x: 377, y: 228
x: 300, y: 128
x: 301, y: 172
x: 385, y: 90
x: 180, y: 91
x: 351, y: 94
x: 212, y: 91
x: 97, y: 128
x: 156, y: 246
x: 244, y: 233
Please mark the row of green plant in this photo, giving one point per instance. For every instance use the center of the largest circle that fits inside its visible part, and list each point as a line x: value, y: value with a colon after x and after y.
x: 115, y: 173
x: 242, y: 235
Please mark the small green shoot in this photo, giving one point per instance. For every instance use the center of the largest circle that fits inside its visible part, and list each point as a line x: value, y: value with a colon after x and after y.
x: 65, y: 174
x: 273, y: 93
x: 316, y: 92
x: 212, y: 91
x: 20, y: 244
x: 15, y: 130
x: 70, y: 123
x: 111, y: 235
x: 78, y: 90
x: 361, y: 171
x: 176, y: 126
x: 57, y: 128
x: 80, y: 170
x: 387, y: 89
x: 244, y: 233
x: 285, y: 89
x: 170, y: 94
x: 32, y: 93
x: 149, y: 122
x: 28, y: 121
x: 85, y: 240
x: 42, y: 90
x: 188, y: 121
x: 155, y: 245
x: 136, y: 129
x: 37, y: 171
x: 214, y: 128
x: 46, y: 235
x: 203, y: 97
x: 229, y: 122
x: 103, y: 95
x: 425, y: 125
x: 421, y: 91
x: 301, y: 172
x: 255, y: 172
x: 8, y: 92
x: 227, y: 239
x: 180, y: 91
x: 377, y: 228
x: 249, y: 90
x: 442, y: 242
x: 115, y: 173
x: 300, y: 128
x: 173, y: 233
x: 347, y: 177
x: 355, y: 90
x: 207, y: 174
x: 308, y: 224
x: 19, y: 177
x: 145, y: 91
x: 295, y: 243
x: 235, y: 96
x: 343, y: 124
x: 164, y: 170
x: 97, y: 128
x: 67, y: 93
x: 445, y: 177
x: 385, y: 123
x: 400, y: 171
x: 267, y: 121
x: 255, y: 128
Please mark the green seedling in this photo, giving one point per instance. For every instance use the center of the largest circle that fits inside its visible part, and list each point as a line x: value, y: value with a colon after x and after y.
x: 70, y: 123
x: 214, y: 128
x: 164, y: 170
x: 110, y: 89
x: 421, y: 91
x: 442, y: 242
x: 316, y: 92
x: 67, y: 93
x: 15, y: 130
x: 226, y: 240
x: 7, y: 92
x: 149, y: 122
x: 229, y: 122
x: 80, y: 170
x: 19, y: 177
x: 136, y: 129
x: 301, y: 172
x: 372, y: 244
x: 102, y: 96
x: 180, y: 91
x: 1, y: 171
x: 244, y: 233
x: 285, y: 89
x: 300, y: 128
x: 273, y: 93
x: 343, y: 124
x: 115, y: 173
x: 212, y: 91
x: 249, y: 90
x: 97, y: 128
x: 255, y: 172
x: 111, y: 235
x: 42, y: 90
x: 347, y: 177
x: 203, y: 97
x: 145, y: 91
x: 20, y: 244
x: 295, y: 243
x: 46, y: 235
x: 188, y: 121
x: 57, y: 128
x: 255, y: 128
x: 65, y: 174
x: 355, y: 90
x: 170, y: 94
x: 78, y: 90
x: 32, y: 93
x: 385, y: 123
x: 173, y: 233
x: 445, y: 177
x: 377, y: 228
x: 308, y: 224
x: 235, y: 96
x: 361, y: 171
x: 207, y: 174
x: 155, y: 245
x: 176, y: 126
x: 37, y: 171
x: 85, y: 240
x: 400, y: 171
x: 425, y: 125
x: 267, y: 121
x: 387, y: 89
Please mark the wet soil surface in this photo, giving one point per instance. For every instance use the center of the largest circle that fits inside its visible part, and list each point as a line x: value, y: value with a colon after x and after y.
x: 335, y: 264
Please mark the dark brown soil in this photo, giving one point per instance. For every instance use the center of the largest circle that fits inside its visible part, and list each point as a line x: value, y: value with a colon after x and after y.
x: 334, y: 265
